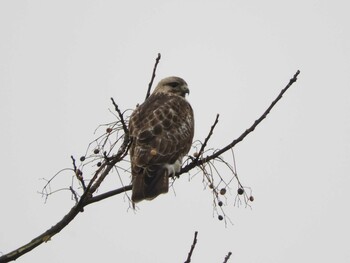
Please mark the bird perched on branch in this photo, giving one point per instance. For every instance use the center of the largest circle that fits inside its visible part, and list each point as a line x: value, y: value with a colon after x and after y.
x: 161, y: 132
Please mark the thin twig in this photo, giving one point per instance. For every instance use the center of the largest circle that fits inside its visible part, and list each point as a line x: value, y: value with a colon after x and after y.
x: 74, y: 194
x: 153, y: 76
x: 121, y: 117
x: 78, y: 173
x: 227, y: 257
x: 188, y: 260
x: 207, y: 138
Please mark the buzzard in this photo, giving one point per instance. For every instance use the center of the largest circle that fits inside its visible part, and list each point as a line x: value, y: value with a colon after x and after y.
x: 161, y: 133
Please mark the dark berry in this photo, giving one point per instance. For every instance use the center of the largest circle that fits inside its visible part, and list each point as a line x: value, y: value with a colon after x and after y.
x: 82, y: 159
x: 109, y: 130
x: 220, y: 217
x: 99, y: 164
x: 251, y: 198
x: 222, y: 191
x: 96, y: 151
x: 220, y: 203
x: 240, y: 191
x: 211, y: 186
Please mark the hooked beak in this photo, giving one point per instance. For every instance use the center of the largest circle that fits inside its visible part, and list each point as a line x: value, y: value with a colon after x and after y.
x: 185, y: 90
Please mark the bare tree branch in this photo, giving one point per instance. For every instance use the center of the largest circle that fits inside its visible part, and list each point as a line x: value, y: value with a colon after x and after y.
x: 188, y: 260
x: 195, y: 163
x: 44, y: 237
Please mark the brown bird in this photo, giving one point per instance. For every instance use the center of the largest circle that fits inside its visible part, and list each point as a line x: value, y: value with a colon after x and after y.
x: 161, y: 133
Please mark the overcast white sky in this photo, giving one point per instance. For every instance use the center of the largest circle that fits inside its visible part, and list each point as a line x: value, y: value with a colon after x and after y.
x: 61, y: 61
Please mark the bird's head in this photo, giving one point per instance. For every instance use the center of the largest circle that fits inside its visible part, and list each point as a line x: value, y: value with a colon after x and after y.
x: 172, y: 85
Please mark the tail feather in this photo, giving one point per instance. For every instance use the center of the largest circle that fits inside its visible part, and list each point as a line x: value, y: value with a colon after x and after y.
x: 148, y: 185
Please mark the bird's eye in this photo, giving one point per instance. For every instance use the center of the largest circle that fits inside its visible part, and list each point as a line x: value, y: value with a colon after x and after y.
x: 173, y: 84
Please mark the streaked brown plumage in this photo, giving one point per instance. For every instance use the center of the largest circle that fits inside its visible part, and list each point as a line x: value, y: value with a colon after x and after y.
x: 161, y: 130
